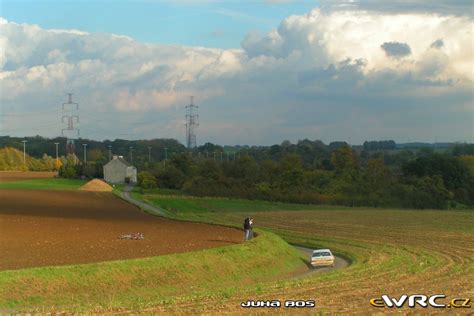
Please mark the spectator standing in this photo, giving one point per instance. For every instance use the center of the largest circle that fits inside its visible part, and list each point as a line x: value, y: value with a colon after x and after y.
x: 247, y: 228
x: 251, y: 228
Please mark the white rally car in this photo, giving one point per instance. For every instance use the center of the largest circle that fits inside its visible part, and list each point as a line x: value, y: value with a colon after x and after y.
x: 322, y: 257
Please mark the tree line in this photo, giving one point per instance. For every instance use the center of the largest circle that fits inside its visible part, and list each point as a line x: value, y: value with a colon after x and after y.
x: 374, y: 174
x: 338, y: 175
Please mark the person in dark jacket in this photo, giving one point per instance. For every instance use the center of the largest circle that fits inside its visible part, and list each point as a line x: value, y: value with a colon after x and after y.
x: 247, y: 228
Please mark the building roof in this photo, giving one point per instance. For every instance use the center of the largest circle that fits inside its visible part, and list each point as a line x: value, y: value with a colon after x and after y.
x: 123, y: 161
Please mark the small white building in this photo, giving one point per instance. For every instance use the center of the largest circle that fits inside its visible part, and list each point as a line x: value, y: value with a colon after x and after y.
x: 118, y: 169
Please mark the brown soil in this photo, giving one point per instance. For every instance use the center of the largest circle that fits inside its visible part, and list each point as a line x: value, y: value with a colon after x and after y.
x: 41, y: 228
x: 96, y: 185
x: 8, y: 176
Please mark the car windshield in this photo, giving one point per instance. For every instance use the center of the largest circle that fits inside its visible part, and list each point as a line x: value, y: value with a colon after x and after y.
x: 322, y: 254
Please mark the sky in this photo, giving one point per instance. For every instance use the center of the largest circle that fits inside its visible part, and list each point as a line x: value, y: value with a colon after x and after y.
x: 260, y: 71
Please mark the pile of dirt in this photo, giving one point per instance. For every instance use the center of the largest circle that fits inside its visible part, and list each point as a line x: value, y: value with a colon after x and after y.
x: 96, y: 185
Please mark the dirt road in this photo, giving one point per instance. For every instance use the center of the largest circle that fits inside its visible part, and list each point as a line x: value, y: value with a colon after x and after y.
x: 144, y: 206
x: 339, y: 263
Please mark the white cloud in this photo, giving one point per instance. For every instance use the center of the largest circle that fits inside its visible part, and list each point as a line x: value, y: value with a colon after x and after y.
x: 309, y: 74
x: 325, y: 38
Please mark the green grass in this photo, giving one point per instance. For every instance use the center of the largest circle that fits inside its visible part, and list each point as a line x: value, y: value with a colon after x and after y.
x: 182, y: 205
x: 139, y: 283
x: 44, y: 184
x: 118, y: 189
x: 392, y: 251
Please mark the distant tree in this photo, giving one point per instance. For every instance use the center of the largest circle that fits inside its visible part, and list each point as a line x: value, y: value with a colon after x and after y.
x: 453, y: 171
x: 379, y: 145
x: 285, y: 144
x: 468, y: 160
x: 208, y: 149
x: 89, y: 170
x: 269, y: 171
x: 245, y: 168
x: 337, y: 145
x: 426, y: 192
x: 209, y: 169
x: 377, y: 180
x: 146, y: 180
x: 57, y: 164
x: 99, y: 170
x: 463, y: 149
x: 68, y: 169
x: 344, y: 159
x: 95, y: 155
x: 48, y: 162
x: 425, y: 152
x: 317, y: 180
x: 171, y: 177
x: 291, y: 172
x: 182, y: 162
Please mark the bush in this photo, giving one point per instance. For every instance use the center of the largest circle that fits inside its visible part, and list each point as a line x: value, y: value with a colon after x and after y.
x: 68, y: 171
x: 422, y: 193
x: 146, y: 180
x: 171, y: 178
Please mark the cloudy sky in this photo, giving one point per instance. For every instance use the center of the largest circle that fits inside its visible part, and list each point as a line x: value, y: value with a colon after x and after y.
x: 260, y: 71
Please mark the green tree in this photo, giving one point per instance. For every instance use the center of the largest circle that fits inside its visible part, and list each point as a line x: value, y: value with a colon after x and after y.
x: 454, y: 172
x: 244, y: 168
x: 68, y: 169
x: 344, y: 159
x: 88, y: 170
x: 291, y: 172
x: 95, y: 155
x: 209, y: 169
x: 171, y: 178
x: 424, y: 192
x: 377, y: 180
x: 146, y: 180
x: 183, y: 163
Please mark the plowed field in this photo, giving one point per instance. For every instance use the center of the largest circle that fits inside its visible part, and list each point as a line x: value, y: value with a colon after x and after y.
x: 8, y: 176
x: 41, y: 228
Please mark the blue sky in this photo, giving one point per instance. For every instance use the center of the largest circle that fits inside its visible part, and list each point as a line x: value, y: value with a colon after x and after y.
x: 260, y: 72
x: 220, y: 24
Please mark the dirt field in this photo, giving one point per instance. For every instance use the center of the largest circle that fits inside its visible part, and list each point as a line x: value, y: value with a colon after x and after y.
x: 40, y: 228
x: 8, y: 176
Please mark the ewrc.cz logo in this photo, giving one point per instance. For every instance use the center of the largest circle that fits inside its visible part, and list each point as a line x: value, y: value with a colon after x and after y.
x: 421, y: 300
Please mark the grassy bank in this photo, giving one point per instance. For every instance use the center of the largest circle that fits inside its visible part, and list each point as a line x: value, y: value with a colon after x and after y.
x: 393, y: 251
x: 44, y: 184
x: 143, y: 283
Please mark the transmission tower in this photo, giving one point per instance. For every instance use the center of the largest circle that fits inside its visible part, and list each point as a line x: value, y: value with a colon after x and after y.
x: 70, y: 114
x: 191, y: 124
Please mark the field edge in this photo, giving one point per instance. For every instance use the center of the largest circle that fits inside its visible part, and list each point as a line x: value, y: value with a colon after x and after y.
x: 132, y: 284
